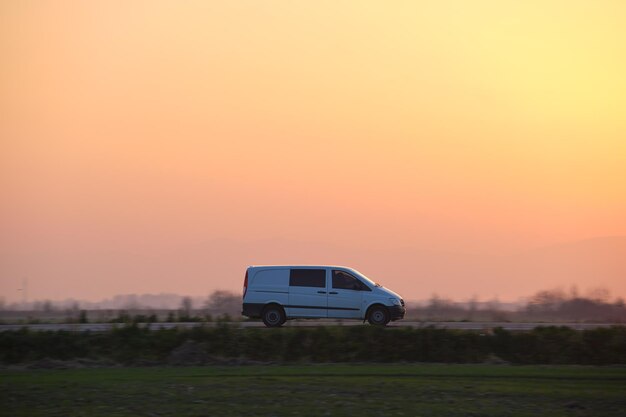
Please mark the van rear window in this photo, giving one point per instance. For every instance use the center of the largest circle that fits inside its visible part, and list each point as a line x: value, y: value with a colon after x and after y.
x: 308, y: 278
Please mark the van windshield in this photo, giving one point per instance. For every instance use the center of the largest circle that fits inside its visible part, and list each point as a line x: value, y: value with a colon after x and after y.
x: 366, y: 279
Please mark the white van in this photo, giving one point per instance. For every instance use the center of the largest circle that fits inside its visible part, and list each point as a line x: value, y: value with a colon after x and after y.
x: 280, y: 293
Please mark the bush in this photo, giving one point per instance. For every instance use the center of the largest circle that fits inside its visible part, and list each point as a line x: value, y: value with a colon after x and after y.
x: 132, y: 344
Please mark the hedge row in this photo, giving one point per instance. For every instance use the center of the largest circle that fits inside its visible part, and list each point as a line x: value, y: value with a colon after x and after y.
x: 133, y: 345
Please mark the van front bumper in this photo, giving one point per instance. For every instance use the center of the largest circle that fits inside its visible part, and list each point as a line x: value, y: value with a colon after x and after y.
x: 252, y: 310
x: 397, y: 312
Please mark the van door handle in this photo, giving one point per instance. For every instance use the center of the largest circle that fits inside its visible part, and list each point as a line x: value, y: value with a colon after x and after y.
x: 333, y: 292
x: 321, y: 292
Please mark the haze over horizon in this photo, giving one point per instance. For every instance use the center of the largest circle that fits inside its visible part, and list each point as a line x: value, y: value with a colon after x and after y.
x: 454, y: 148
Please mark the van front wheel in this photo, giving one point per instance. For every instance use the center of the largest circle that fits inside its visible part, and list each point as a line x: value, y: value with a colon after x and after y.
x: 273, y: 316
x: 378, y: 316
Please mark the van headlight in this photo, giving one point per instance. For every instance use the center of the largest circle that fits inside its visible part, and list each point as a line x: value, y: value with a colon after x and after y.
x: 395, y: 301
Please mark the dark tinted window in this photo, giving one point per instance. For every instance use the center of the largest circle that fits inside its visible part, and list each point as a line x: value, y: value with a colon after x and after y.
x: 308, y: 278
x: 345, y: 281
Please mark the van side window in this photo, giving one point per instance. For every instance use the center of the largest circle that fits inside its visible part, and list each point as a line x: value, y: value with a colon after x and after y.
x: 307, y: 278
x: 345, y: 281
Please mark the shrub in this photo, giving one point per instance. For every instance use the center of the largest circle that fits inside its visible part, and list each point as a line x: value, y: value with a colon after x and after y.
x: 130, y: 343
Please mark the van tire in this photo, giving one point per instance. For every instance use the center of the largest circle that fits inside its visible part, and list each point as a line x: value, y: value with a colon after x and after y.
x: 273, y: 315
x: 378, y: 315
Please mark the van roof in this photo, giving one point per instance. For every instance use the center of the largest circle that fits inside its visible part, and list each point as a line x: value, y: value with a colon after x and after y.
x: 298, y: 266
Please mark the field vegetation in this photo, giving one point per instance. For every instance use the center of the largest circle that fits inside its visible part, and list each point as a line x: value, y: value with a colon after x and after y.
x: 316, y: 390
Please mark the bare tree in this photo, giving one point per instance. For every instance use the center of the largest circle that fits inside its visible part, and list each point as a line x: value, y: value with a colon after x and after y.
x: 47, y: 306
x: 546, y: 301
x: 599, y: 295
x: 186, y: 305
x: 223, y: 302
x: 472, y: 307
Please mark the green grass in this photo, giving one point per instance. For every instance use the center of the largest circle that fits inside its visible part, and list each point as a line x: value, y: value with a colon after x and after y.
x: 317, y: 390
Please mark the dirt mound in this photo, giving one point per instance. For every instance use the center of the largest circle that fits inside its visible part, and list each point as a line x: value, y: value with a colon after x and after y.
x: 47, y: 363
x: 192, y: 353
x: 189, y: 353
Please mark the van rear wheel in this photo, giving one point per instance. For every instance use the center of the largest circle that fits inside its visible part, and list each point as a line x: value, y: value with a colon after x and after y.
x: 378, y: 316
x: 273, y: 316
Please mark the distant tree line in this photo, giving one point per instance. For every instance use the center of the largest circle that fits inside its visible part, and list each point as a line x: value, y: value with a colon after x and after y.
x: 544, y: 306
x: 218, y: 306
x: 557, y: 304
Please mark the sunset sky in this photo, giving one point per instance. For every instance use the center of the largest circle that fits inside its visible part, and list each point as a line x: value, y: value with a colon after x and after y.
x: 164, y: 146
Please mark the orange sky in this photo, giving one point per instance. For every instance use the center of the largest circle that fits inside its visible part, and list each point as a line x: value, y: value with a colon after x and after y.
x: 147, y: 128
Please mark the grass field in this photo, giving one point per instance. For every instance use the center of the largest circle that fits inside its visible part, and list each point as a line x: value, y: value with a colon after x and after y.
x: 317, y: 390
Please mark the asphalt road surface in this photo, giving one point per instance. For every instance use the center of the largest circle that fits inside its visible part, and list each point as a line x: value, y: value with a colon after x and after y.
x: 101, y: 327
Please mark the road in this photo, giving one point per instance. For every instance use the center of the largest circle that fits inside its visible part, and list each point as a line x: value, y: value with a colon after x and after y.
x: 486, y: 326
